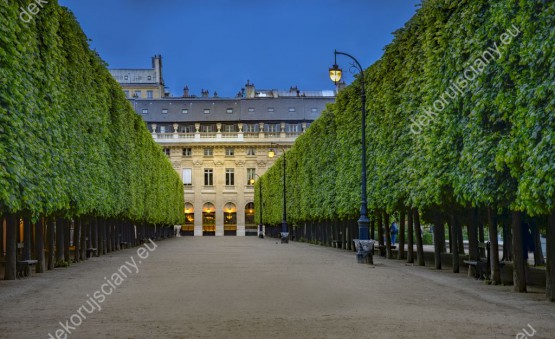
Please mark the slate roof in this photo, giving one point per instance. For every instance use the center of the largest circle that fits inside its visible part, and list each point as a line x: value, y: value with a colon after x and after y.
x: 242, y: 109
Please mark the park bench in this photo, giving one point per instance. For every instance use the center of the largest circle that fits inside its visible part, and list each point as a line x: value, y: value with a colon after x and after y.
x: 336, y: 243
x: 123, y: 244
x: 382, y: 248
x: 482, y: 265
x: 23, y: 268
x: 91, y: 251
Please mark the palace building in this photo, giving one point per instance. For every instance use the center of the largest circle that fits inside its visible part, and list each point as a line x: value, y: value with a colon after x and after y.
x: 218, y: 144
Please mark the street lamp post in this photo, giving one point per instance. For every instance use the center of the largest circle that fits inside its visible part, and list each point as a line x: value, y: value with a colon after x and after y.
x: 363, y: 244
x: 261, y: 224
x: 284, y: 230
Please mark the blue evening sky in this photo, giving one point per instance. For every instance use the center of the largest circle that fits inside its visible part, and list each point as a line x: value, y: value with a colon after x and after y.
x: 220, y: 44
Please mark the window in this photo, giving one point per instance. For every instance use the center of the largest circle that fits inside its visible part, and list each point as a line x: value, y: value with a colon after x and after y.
x: 291, y: 109
x: 126, y: 93
x: 250, y: 128
x: 137, y: 94
x: 164, y: 111
x: 184, y: 111
x: 229, y: 177
x: 272, y: 128
x: 229, y: 128
x: 208, y: 177
x: 251, y: 109
x: 229, y: 152
x: 186, y: 129
x: 145, y: 111
x: 250, y: 175
x: 314, y: 110
x: 187, y: 152
x: 149, y: 77
x: 208, y: 152
x: 229, y: 110
x: 149, y: 94
x: 251, y: 151
x: 187, y: 176
x: 207, y: 111
x: 126, y: 77
x: 162, y: 129
x: 293, y: 128
x: 167, y: 151
x: 207, y: 128
x: 270, y: 109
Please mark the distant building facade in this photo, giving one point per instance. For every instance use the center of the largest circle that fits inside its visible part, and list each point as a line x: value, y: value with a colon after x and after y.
x: 142, y: 83
x: 218, y: 144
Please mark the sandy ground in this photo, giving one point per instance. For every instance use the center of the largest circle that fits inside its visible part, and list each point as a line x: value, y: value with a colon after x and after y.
x: 253, y: 288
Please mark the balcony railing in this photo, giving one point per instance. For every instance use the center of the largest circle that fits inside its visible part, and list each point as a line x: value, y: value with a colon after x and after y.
x: 208, y: 137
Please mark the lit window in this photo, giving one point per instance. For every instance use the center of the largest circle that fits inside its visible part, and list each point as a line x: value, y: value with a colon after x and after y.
x: 185, y: 111
x: 208, y: 152
x: 292, y: 109
x: 314, y: 110
x: 229, y: 152
x: 187, y: 152
x: 270, y: 109
x: 229, y: 110
x: 145, y: 111
x: 164, y: 111
x: 207, y: 111
x: 251, y: 175
x: 251, y: 109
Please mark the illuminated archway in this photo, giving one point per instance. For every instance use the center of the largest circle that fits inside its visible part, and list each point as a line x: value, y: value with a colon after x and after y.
x: 208, y: 219
x: 250, y: 226
x: 230, y: 219
x: 188, y: 228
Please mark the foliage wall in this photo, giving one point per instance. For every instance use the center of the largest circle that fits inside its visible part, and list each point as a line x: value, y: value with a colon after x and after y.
x: 491, y: 143
x: 71, y: 145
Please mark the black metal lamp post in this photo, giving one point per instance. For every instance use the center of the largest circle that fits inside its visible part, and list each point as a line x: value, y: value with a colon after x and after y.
x: 284, y: 230
x: 261, y: 224
x: 363, y: 244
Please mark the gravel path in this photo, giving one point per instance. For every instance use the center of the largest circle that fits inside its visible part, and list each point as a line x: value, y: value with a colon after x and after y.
x: 253, y: 288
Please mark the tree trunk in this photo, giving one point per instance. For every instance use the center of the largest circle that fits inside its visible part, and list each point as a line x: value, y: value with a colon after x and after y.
x: 387, y: 236
x: 437, y: 243
x: 410, y: 235
x: 419, y: 245
x: 94, y: 229
x: 67, y: 236
x: 50, y: 234
x: 460, y: 237
x: 550, y: 269
x: 482, y: 252
x: 60, y: 241
x: 27, y: 227
x: 401, y: 251
x: 507, y: 240
x: 39, y: 245
x: 538, y: 253
x: 373, y: 227
x: 494, y: 247
x: 453, y: 225
x: 380, y: 233
x: 472, y: 239
x: 519, y: 278
x: 76, y: 240
x: 11, y: 247
x: 451, y: 237
x: 441, y: 235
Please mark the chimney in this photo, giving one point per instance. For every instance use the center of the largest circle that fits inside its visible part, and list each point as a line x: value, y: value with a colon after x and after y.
x: 186, y: 91
x: 250, y: 90
x: 204, y: 93
x: 215, y: 94
x: 157, y: 66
